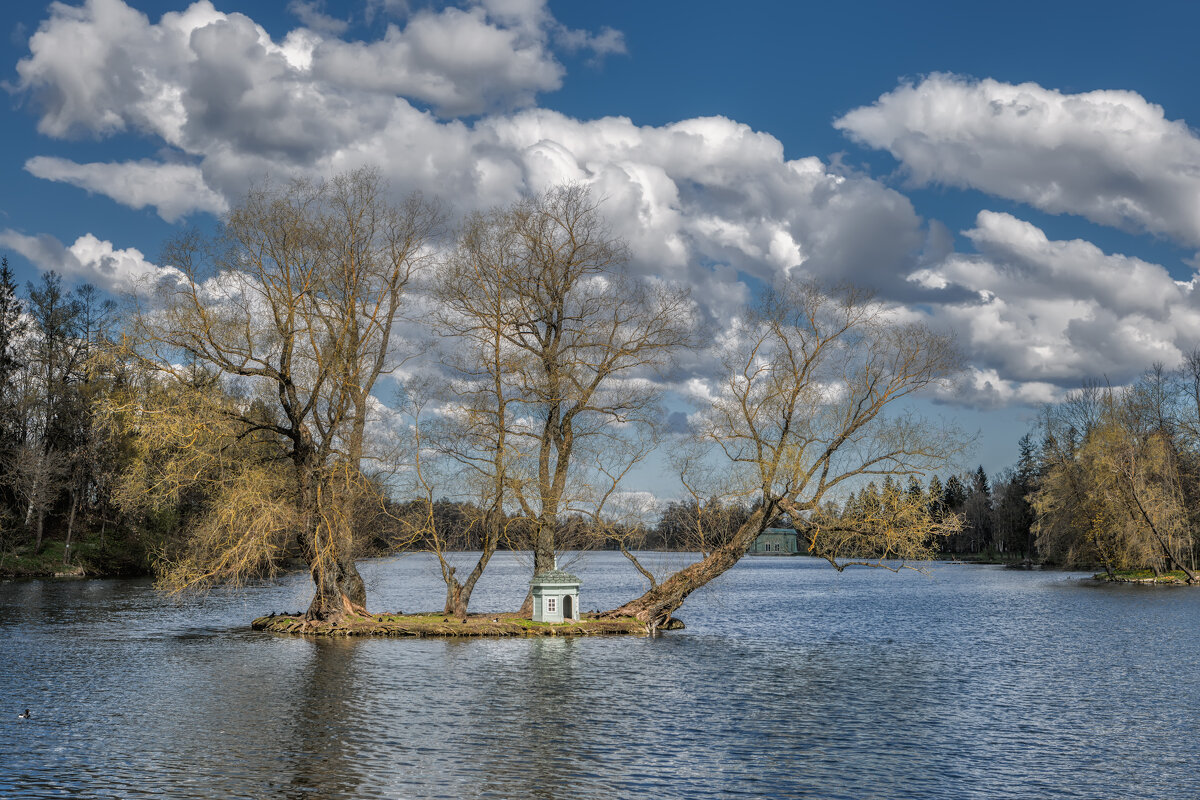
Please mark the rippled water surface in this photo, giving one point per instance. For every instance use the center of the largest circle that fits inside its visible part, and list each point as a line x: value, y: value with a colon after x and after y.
x: 791, y: 680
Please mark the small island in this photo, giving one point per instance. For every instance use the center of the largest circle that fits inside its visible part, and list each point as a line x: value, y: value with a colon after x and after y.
x: 441, y: 625
x: 1147, y: 576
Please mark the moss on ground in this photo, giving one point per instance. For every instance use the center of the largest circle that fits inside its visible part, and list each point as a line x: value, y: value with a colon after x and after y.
x: 440, y: 625
x: 91, y: 557
x: 1172, y: 578
x: 22, y: 562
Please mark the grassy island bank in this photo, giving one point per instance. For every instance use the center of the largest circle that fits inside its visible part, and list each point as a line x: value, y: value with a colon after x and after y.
x: 440, y: 625
x: 92, y: 557
x: 1171, y: 578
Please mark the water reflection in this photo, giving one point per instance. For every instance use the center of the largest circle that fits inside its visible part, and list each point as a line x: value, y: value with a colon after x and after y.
x: 539, y: 750
x: 790, y: 681
x: 319, y: 726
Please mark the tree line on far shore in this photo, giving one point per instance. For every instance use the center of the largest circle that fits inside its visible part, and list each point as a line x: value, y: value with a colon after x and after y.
x: 1109, y: 479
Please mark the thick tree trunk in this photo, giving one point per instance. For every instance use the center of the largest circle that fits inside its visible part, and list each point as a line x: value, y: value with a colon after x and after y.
x: 544, y: 535
x: 655, y: 607
x: 330, y: 603
x: 350, y: 583
x: 458, y: 594
x: 543, y: 554
x: 339, y: 589
x: 455, y: 605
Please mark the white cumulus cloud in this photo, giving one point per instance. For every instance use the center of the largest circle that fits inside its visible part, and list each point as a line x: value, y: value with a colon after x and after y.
x: 237, y: 105
x: 703, y: 201
x: 1044, y: 312
x: 1109, y: 156
x: 174, y: 190
x: 89, y: 259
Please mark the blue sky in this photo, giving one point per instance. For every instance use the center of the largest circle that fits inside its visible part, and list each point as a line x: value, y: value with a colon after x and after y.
x: 1023, y: 174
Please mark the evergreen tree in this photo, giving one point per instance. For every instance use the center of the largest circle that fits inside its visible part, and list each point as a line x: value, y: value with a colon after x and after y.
x: 978, y: 512
x: 12, y: 326
x: 979, y: 482
x: 916, y: 492
x: 12, y: 331
x: 1025, y: 482
x: 955, y: 495
x: 936, y: 498
x: 868, y: 498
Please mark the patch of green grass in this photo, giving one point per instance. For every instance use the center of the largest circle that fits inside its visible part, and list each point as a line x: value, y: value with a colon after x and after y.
x: 441, y: 625
x: 22, y: 561
x: 1172, y: 576
x: 116, y: 554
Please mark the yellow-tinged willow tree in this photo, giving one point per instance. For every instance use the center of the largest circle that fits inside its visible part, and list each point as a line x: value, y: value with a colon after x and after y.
x: 804, y: 411
x: 294, y: 302
x: 185, y: 460
x: 889, y: 529
x: 1114, y: 490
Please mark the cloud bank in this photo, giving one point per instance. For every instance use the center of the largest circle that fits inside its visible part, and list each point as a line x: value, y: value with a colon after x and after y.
x: 1047, y: 313
x: 235, y: 105
x: 446, y: 102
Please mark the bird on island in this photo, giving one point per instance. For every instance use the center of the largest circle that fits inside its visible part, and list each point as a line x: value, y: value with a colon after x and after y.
x: 26, y: 715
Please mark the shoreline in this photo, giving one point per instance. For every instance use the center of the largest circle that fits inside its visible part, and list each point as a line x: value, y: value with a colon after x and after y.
x: 1143, y: 577
x: 436, y: 625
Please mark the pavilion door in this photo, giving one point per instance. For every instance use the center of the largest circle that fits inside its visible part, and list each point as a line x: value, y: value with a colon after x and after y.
x: 568, y: 607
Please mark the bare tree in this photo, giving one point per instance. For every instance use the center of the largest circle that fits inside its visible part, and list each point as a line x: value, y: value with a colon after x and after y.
x: 558, y: 340
x: 296, y: 299
x: 474, y: 299
x: 38, y: 473
x: 442, y: 454
x: 13, y: 369
x: 89, y: 444
x: 711, y: 512
x: 807, y: 382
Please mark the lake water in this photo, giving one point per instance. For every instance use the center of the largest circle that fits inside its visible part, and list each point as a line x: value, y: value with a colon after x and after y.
x: 791, y: 680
